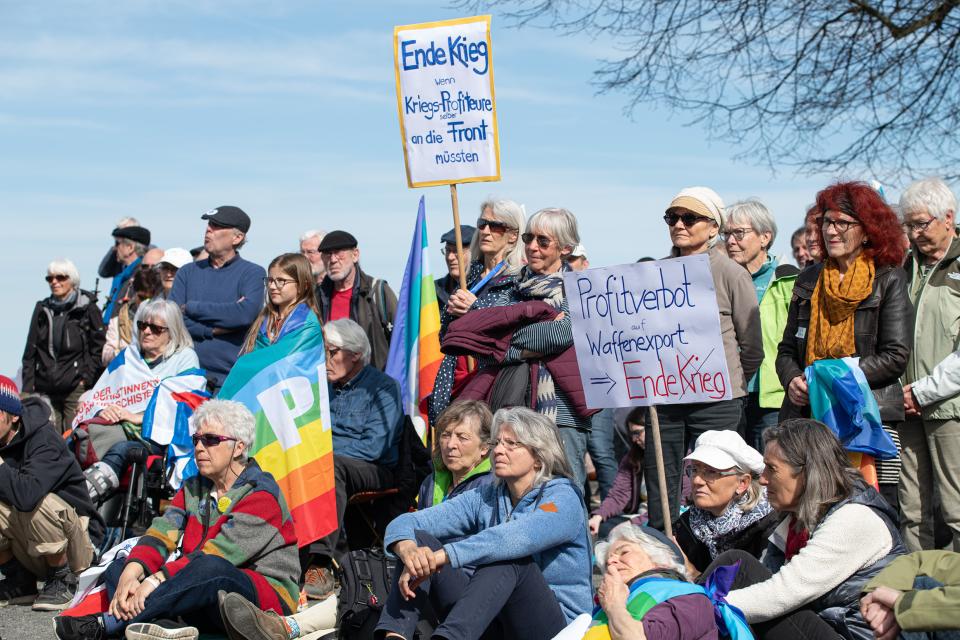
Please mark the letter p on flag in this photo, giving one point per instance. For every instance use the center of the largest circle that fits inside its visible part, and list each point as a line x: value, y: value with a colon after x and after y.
x: 283, y: 403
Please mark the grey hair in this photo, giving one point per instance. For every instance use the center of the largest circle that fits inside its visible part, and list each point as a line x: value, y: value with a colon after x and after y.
x: 559, y: 223
x: 243, y: 239
x: 818, y: 459
x: 64, y: 267
x: 312, y: 233
x: 169, y: 312
x: 660, y: 554
x: 929, y: 194
x: 127, y: 221
x: 233, y: 416
x: 540, y: 435
x: 511, y: 214
x: 349, y: 336
x: 756, y: 214
x: 749, y: 499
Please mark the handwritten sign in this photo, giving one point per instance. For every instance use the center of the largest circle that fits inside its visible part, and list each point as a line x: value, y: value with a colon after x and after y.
x: 648, y: 333
x: 448, y: 116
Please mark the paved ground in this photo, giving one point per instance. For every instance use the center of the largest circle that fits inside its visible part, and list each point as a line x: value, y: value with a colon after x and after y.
x: 20, y: 623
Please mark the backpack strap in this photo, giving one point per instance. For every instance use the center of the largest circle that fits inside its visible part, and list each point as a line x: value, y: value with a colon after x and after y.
x: 380, y: 301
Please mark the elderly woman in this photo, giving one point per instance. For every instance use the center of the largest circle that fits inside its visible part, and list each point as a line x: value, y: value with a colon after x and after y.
x: 64, y: 343
x: 645, y: 593
x: 525, y: 534
x: 695, y: 217
x: 161, y: 348
x: 460, y: 461
x: 749, y: 232
x: 231, y: 531
x: 146, y: 285
x: 853, y: 304
x: 836, y: 534
x: 730, y: 508
x: 496, y: 256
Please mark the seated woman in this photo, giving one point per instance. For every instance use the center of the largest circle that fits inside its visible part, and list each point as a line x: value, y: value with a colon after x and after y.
x: 161, y: 348
x: 232, y: 531
x: 625, y: 497
x: 730, y: 508
x: 460, y: 461
x: 526, y: 534
x: 645, y: 593
x: 836, y: 535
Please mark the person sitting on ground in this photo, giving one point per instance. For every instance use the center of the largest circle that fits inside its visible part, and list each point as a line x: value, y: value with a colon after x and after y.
x: 48, y: 526
x: 289, y: 300
x: 232, y: 530
x: 730, y: 508
x: 626, y: 495
x: 460, y: 461
x: 366, y: 416
x: 642, y: 567
x: 525, y: 534
x: 917, y: 592
x: 162, y: 347
x: 836, y: 534
x: 146, y: 285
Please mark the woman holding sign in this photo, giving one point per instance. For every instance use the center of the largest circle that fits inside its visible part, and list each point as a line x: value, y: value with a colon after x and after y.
x: 695, y: 217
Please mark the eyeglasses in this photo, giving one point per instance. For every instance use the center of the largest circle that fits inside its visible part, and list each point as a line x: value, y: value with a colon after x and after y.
x: 841, y: 226
x: 509, y: 445
x: 448, y: 249
x: 689, y: 219
x: 495, y: 225
x: 155, y: 329
x: 542, y: 241
x: 737, y: 234
x: 279, y: 283
x: 210, y: 439
x: 918, y: 227
x: 709, y: 475
x: 59, y: 277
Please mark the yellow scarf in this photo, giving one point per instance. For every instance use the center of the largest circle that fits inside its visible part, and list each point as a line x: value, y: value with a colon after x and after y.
x: 832, y: 308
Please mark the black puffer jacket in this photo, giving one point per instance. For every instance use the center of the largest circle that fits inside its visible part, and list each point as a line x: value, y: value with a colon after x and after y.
x: 883, y: 326
x: 64, y: 346
x: 752, y: 539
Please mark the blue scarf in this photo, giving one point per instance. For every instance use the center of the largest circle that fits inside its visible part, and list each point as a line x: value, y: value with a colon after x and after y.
x: 118, y: 282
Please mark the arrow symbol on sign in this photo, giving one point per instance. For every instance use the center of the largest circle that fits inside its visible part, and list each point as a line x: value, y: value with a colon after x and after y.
x: 605, y: 379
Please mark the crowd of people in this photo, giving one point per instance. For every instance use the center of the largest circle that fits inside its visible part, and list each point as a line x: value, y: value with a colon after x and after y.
x: 776, y: 529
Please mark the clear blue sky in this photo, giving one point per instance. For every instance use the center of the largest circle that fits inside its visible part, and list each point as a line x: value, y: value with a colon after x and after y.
x: 163, y: 110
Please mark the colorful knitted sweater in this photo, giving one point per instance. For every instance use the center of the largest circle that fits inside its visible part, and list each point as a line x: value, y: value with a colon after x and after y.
x: 250, y: 526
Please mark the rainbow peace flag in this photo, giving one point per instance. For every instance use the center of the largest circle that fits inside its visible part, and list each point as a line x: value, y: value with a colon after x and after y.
x: 415, y: 345
x: 285, y: 387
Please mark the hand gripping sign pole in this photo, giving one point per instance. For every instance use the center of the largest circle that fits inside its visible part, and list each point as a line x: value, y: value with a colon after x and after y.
x: 661, y: 472
x: 447, y: 107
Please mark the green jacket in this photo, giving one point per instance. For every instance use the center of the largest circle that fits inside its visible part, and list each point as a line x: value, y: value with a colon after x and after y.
x: 773, y: 318
x: 924, y: 609
x: 934, y: 365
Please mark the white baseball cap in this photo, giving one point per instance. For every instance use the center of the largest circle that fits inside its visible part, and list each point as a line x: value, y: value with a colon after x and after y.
x: 726, y: 449
x: 176, y: 257
x: 578, y: 251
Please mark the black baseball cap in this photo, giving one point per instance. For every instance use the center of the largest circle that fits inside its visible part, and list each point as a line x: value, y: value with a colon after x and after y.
x: 229, y: 216
x: 137, y: 234
x: 466, y: 233
x: 336, y: 240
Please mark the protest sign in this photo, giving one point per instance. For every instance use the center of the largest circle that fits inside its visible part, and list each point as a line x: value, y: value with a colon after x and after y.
x: 648, y: 333
x: 448, y: 118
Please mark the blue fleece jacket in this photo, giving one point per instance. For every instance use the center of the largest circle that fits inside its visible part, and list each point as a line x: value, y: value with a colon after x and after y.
x: 228, y: 298
x: 549, y: 524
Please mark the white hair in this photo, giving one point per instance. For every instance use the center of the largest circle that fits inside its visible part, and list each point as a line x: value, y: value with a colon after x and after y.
x: 559, y: 223
x: 540, y: 435
x: 662, y: 556
x: 511, y: 214
x: 127, y: 221
x: 233, y: 416
x: 169, y: 312
x: 312, y: 233
x: 754, y: 213
x: 64, y: 267
x: 931, y: 195
x: 349, y: 336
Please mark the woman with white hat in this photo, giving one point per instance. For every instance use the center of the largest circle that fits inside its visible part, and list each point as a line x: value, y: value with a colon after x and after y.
x: 695, y: 218
x: 730, y: 508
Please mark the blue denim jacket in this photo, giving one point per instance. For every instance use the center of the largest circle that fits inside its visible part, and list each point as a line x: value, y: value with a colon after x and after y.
x: 367, y: 417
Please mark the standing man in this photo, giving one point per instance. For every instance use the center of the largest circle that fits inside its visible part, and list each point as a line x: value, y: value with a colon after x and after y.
x: 798, y: 246
x: 129, y: 245
x: 451, y: 282
x: 930, y: 436
x: 347, y: 292
x: 221, y: 295
x: 310, y: 249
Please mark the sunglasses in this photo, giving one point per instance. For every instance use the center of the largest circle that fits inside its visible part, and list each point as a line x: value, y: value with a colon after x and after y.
x: 155, y: 329
x: 542, y: 241
x: 210, y: 439
x: 59, y: 277
x: 495, y: 225
x: 689, y: 219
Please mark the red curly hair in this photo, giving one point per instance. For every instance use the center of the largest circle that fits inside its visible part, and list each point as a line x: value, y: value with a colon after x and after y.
x: 880, y: 224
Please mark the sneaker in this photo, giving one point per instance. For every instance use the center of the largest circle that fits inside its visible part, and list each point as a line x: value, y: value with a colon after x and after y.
x: 79, y: 627
x: 319, y: 583
x: 57, y: 593
x: 244, y: 620
x: 18, y: 588
x: 161, y: 630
